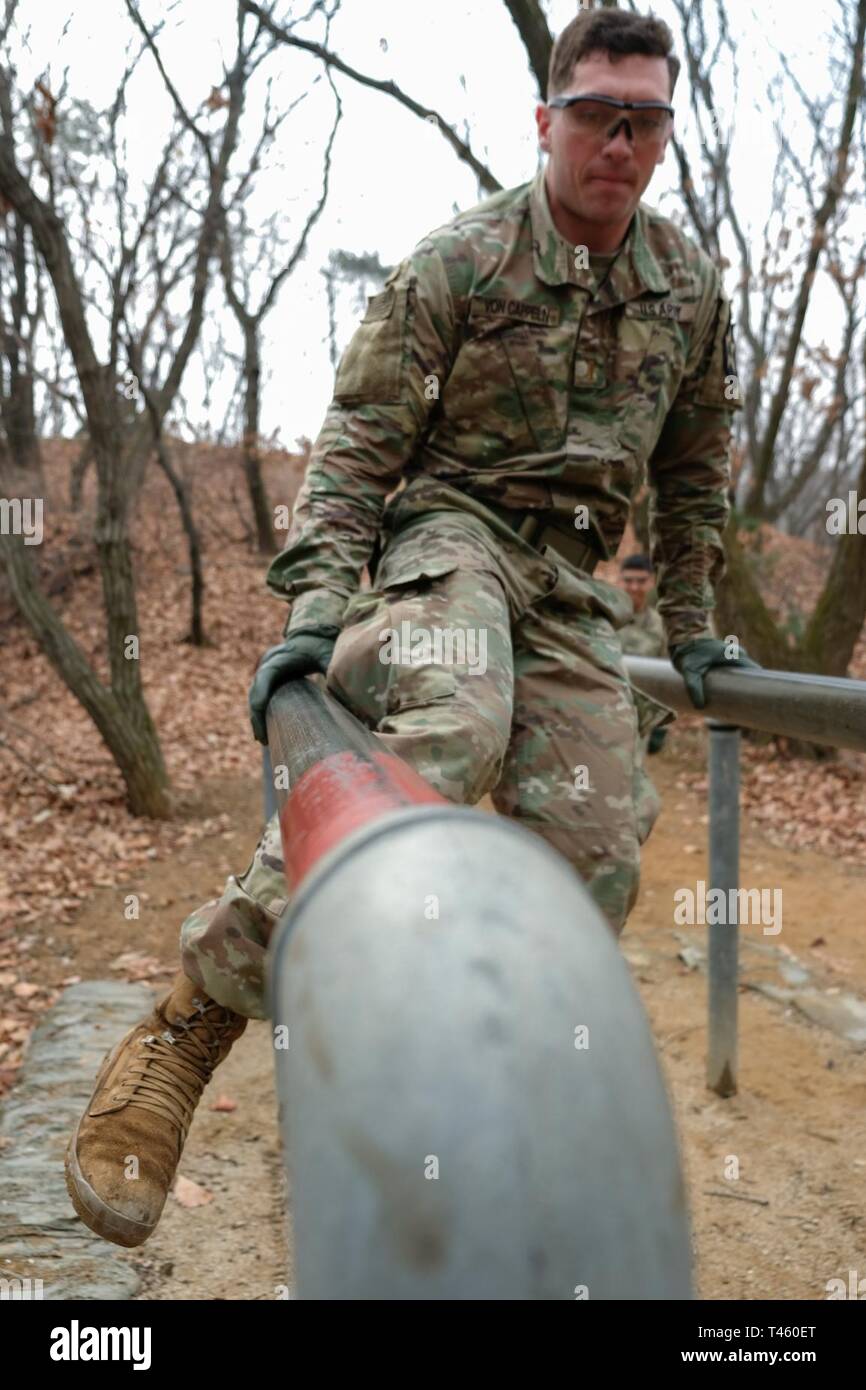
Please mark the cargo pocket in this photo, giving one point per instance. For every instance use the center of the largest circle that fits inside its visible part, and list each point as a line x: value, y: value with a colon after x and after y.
x: 355, y: 676
x: 402, y: 571
x: 409, y: 588
x: 381, y: 662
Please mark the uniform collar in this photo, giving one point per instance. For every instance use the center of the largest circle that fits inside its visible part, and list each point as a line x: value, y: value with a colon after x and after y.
x: 635, y: 270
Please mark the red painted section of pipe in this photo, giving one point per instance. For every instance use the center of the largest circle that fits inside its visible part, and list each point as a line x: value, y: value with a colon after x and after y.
x: 339, y: 794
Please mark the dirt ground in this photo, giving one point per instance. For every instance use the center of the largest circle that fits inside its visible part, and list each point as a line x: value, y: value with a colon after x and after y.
x: 796, y: 1216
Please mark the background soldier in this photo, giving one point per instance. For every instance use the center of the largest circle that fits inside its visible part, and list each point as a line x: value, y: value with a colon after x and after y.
x: 522, y: 370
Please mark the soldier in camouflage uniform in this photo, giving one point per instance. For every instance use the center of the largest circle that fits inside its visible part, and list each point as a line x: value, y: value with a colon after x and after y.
x: 521, y: 373
x: 644, y: 636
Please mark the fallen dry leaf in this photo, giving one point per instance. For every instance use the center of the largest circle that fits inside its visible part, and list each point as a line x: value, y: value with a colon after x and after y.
x: 190, y: 1194
x: 224, y: 1103
x: 138, y: 966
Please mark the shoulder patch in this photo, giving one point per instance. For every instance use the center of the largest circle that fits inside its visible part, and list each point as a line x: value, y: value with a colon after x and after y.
x: 371, y: 370
x: 379, y: 306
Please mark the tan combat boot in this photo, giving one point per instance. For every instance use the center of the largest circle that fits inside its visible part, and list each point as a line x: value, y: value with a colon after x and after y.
x: 141, y: 1108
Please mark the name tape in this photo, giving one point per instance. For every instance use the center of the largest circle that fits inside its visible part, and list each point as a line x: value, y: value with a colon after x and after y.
x: 500, y: 306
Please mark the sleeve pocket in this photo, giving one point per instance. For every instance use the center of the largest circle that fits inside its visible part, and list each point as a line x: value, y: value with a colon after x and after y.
x: 371, y: 369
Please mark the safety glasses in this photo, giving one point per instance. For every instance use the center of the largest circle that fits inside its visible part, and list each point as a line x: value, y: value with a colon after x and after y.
x: 595, y: 116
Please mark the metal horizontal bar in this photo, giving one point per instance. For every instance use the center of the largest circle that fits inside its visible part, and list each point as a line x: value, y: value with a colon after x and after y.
x: 421, y: 1001
x: 335, y: 775
x: 818, y: 709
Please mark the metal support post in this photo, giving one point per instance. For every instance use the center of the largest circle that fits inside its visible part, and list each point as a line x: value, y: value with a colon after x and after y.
x: 723, y: 946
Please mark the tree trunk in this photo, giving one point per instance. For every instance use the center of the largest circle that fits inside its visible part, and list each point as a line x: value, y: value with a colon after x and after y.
x: 740, y: 609
x: 123, y: 721
x: 19, y: 414
x: 121, y: 612
x: 252, y: 460
x: 19, y: 422
x: 532, y: 27
x: 196, y: 629
x: 836, y: 623
x: 77, y: 475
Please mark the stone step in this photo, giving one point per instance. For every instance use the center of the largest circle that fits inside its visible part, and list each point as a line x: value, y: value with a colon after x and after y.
x: 41, y: 1238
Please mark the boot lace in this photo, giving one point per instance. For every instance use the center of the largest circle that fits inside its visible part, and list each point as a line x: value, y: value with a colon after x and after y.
x: 173, y: 1067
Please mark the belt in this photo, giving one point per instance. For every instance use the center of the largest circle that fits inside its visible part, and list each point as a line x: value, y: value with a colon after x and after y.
x: 532, y: 528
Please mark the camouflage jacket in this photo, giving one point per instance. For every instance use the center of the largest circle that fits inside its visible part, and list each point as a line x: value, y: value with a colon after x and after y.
x: 644, y: 635
x: 491, y: 361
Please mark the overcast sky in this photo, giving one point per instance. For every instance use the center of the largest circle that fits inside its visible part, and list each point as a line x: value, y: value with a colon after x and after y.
x: 393, y: 177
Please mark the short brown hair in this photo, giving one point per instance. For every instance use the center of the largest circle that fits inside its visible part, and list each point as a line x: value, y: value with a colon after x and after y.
x: 614, y: 32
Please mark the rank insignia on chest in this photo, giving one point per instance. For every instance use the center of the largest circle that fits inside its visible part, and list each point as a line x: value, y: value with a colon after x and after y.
x: 589, y: 375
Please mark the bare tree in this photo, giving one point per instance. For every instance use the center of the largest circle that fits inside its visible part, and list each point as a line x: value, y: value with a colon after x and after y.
x: 284, y: 33
x: 119, y: 710
x: 797, y: 400
x: 242, y: 255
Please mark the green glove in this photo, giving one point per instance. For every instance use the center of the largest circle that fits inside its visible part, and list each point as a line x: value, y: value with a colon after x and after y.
x: 308, y: 649
x: 694, y: 659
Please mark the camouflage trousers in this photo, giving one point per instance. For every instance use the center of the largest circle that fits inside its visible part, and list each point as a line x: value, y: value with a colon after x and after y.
x: 524, y: 696
x: 650, y: 715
